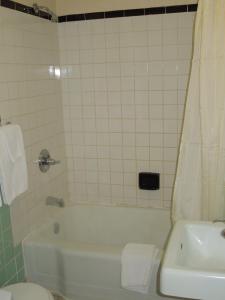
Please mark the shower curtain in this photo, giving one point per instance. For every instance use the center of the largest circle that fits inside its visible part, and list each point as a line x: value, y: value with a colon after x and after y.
x: 200, y: 180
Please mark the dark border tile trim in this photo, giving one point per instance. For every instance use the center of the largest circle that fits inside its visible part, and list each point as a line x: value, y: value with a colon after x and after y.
x: 101, y: 15
x: 134, y: 12
x: 130, y: 12
x: 176, y: 9
x: 8, y: 4
x: 79, y: 17
x: 62, y: 19
x: 94, y: 16
x: 23, y: 8
x: 155, y: 11
x: 114, y: 14
x: 192, y: 7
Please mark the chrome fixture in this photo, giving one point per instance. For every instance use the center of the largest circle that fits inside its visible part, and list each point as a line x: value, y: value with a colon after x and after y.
x: 45, y: 161
x: 53, y: 201
x: 219, y: 221
x: 223, y: 233
x: 37, y: 8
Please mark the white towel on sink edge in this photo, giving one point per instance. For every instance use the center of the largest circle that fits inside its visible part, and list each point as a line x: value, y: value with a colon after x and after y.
x: 137, y: 263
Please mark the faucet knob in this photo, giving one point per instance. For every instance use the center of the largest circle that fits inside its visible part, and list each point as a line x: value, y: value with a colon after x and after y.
x: 45, y: 161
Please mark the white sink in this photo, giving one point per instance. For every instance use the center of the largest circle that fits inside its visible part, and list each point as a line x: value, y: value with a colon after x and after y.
x: 194, y: 262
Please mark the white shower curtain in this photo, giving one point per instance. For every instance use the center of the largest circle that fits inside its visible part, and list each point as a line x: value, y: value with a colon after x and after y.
x: 200, y: 179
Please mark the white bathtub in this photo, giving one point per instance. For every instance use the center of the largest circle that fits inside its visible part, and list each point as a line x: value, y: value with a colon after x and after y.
x: 82, y: 261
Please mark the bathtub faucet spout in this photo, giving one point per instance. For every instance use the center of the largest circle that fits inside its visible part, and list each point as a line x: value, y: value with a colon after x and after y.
x: 219, y: 221
x: 53, y: 201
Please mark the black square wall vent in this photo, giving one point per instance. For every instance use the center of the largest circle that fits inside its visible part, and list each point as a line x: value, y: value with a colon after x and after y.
x: 149, y: 181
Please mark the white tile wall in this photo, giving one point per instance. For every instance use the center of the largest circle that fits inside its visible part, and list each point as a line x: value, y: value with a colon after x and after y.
x: 123, y: 86
x: 124, y: 83
x: 30, y: 96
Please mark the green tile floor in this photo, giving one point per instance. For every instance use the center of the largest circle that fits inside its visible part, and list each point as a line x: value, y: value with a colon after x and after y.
x: 11, y: 258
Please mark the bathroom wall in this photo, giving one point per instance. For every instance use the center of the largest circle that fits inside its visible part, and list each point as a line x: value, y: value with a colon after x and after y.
x: 79, y: 6
x: 123, y: 88
x: 124, y: 84
x: 30, y: 96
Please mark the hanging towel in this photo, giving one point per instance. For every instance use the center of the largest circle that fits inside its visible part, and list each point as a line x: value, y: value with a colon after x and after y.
x: 13, y: 167
x: 137, y: 266
x: 5, y: 295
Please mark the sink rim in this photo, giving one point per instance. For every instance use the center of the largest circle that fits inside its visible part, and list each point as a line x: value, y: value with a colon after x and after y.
x: 170, y: 256
x: 173, y: 274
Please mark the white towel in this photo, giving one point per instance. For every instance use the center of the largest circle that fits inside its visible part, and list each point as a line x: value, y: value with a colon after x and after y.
x: 5, y: 295
x: 13, y: 167
x: 137, y: 266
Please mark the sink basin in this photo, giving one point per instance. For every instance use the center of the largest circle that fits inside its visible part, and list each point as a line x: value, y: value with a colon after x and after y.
x: 194, y: 262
